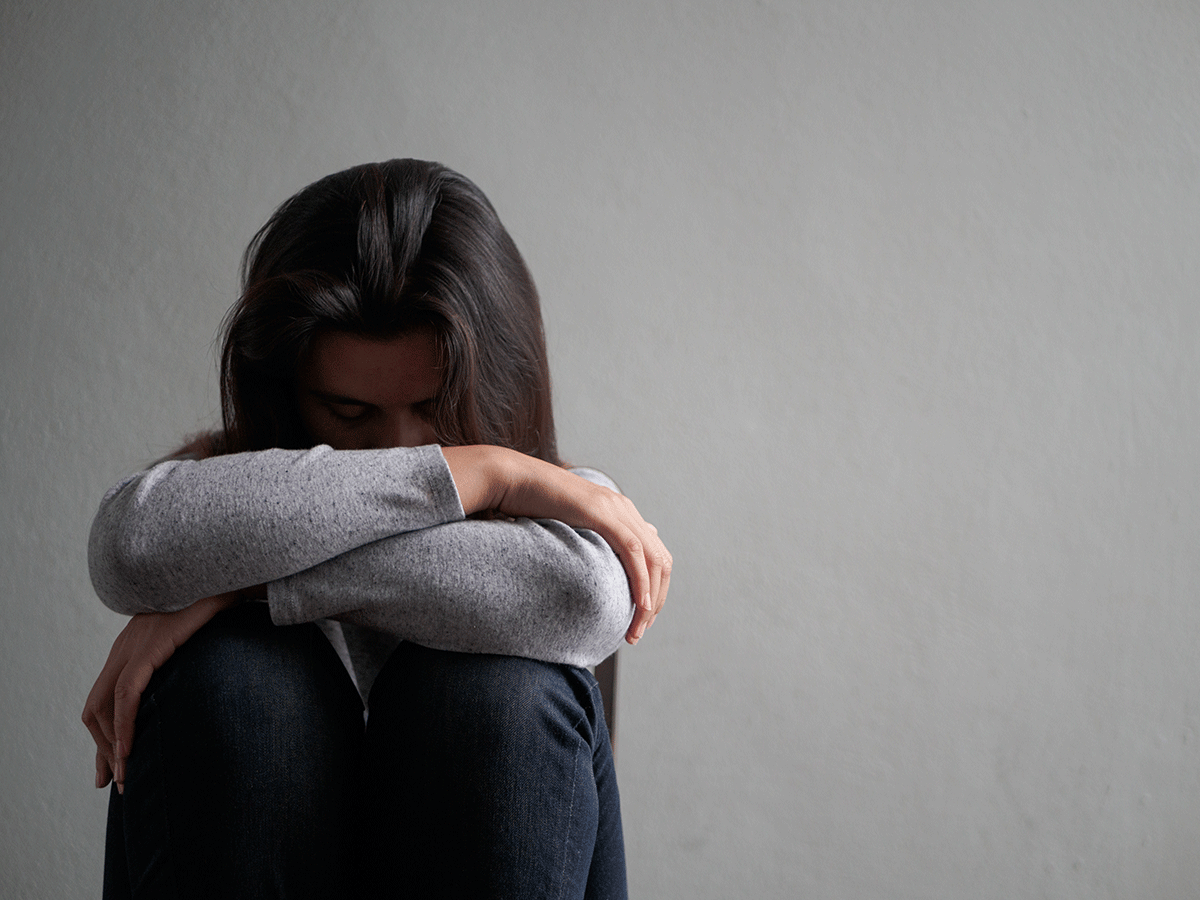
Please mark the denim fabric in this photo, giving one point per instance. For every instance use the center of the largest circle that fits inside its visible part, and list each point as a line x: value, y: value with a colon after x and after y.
x: 491, y: 776
x: 242, y: 778
x: 251, y: 776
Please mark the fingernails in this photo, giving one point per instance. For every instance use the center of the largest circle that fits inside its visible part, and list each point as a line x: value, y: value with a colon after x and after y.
x: 647, y: 603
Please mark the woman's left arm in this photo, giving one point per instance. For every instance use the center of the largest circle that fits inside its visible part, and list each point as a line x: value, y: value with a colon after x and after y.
x: 534, y: 588
x: 521, y: 486
x: 519, y: 587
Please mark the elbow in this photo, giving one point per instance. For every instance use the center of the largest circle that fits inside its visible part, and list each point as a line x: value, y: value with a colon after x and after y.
x: 603, y: 607
x: 112, y: 569
x: 129, y: 569
x: 121, y: 566
x: 614, y: 609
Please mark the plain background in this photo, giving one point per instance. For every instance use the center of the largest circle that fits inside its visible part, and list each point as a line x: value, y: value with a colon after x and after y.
x: 884, y: 312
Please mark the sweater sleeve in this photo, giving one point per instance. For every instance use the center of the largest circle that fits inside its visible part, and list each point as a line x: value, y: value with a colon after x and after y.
x: 534, y: 588
x: 523, y: 587
x: 187, y: 529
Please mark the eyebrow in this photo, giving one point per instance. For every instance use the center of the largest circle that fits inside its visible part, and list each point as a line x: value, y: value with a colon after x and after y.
x: 337, y: 398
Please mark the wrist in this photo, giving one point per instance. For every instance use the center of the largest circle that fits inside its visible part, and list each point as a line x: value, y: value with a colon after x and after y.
x: 481, y: 475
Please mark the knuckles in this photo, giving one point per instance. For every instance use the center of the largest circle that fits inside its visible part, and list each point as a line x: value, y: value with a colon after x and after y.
x: 125, y: 691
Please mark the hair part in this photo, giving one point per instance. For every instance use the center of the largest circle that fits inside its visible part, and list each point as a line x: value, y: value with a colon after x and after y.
x: 379, y: 250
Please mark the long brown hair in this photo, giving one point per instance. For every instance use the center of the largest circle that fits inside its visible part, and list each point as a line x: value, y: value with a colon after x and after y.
x: 378, y: 250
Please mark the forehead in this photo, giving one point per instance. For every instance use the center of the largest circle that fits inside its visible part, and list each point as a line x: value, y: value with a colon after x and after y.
x: 404, y: 368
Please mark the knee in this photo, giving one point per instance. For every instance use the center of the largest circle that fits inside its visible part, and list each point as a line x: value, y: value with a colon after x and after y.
x: 242, y: 685
x: 491, y: 758
x: 244, y: 763
x: 500, y: 698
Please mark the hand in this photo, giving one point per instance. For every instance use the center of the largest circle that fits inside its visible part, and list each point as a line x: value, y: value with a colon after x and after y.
x: 141, y: 648
x: 519, y: 485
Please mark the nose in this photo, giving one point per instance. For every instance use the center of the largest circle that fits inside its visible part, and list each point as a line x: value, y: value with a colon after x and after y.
x: 404, y: 428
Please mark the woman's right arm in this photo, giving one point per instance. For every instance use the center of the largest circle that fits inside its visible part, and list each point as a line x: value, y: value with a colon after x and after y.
x: 175, y: 544
x: 188, y: 529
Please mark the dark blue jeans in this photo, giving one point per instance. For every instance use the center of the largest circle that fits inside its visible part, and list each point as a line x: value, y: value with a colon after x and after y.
x: 251, y: 775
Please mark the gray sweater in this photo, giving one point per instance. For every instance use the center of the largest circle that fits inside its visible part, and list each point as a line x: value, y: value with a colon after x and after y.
x: 372, y: 538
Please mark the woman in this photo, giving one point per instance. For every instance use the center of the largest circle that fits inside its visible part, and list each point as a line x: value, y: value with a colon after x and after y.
x: 387, y: 470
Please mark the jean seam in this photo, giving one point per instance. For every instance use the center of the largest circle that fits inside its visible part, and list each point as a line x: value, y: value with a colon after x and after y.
x: 593, y: 690
x: 562, y: 875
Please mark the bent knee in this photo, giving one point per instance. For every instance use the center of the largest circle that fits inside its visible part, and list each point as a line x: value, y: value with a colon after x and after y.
x: 241, y: 673
x: 492, y: 696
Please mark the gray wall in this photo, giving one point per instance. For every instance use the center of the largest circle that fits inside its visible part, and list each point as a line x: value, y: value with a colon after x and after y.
x: 879, y: 310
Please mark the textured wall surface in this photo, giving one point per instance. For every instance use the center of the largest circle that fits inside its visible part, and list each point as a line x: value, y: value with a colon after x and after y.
x: 880, y: 311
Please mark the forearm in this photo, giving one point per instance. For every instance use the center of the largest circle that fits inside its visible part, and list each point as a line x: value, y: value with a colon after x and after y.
x: 190, y: 529
x: 523, y: 588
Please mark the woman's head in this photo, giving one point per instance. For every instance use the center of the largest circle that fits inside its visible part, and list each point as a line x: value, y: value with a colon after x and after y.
x: 377, y: 255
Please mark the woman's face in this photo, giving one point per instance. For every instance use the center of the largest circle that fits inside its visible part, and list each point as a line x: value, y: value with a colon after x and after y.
x: 358, y: 393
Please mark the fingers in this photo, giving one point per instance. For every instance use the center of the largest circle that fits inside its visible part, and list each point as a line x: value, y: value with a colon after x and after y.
x: 645, y: 559
x: 106, y: 713
x: 633, y: 554
x: 127, y: 697
x: 641, y: 621
x: 98, y: 713
x: 666, y: 579
x: 629, y: 550
x: 664, y: 585
x: 658, y: 562
x: 105, y: 760
x: 662, y: 574
x: 142, y: 647
x: 648, y: 566
x: 103, y: 770
x: 94, y: 719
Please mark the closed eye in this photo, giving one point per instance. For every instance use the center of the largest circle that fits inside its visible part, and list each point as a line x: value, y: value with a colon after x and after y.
x: 348, y: 412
